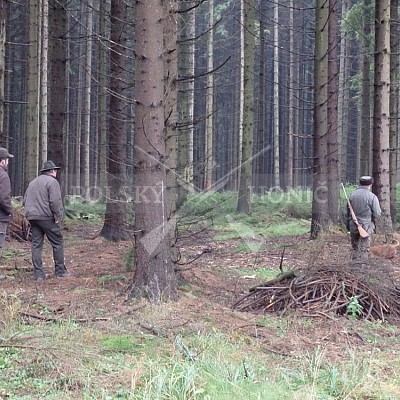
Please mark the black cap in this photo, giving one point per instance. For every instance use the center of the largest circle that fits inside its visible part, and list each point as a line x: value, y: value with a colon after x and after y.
x: 48, y: 166
x: 366, y: 180
x: 4, y: 153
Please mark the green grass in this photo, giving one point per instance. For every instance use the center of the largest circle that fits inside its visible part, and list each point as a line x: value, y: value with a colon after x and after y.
x: 89, y: 211
x: 130, y: 343
x: 81, y: 362
x: 276, y: 213
x: 289, y: 207
x: 236, y: 227
x: 9, y: 253
x: 264, y: 274
x: 111, y: 278
x: 117, y: 359
x: 273, y: 214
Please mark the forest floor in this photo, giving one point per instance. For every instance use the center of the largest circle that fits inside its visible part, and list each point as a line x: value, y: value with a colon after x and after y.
x: 214, y: 281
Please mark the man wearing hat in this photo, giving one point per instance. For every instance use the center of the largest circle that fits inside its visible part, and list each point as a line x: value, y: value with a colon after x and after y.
x: 367, y: 210
x: 44, y: 210
x: 6, y: 209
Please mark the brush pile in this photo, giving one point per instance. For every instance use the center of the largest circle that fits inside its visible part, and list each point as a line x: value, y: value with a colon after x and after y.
x: 365, y: 292
x: 19, y: 227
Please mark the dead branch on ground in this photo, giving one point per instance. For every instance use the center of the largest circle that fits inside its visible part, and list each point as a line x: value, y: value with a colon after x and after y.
x: 19, y: 227
x: 365, y: 292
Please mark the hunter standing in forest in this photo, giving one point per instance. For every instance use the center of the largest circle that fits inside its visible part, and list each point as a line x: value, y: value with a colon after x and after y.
x: 6, y: 209
x: 367, y: 210
x: 44, y: 210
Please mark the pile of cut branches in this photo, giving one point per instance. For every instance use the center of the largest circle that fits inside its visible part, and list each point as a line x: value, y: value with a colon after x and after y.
x: 366, y: 292
x: 19, y: 227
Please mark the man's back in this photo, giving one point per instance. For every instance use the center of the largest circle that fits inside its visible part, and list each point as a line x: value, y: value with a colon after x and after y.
x: 366, y: 207
x: 42, y: 199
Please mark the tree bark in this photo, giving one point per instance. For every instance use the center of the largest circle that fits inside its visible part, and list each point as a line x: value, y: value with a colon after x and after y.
x: 44, y: 64
x: 103, y: 96
x: 58, y: 85
x: 209, y: 145
x: 275, y: 116
x: 394, y: 104
x: 86, y: 100
x: 245, y: 179
x: 79, y: 98
x: 115, y: 225
x: 333, y: 144
x: 170, y: 99
x: 343, y: 97
x: 320, y: 210
x: 3, y: 18
x: 185, y: 99
x: 260, y: 142
x: 381, y: 125
x: 365, y: 134
x: 154, y: 276
x: 32, y: 128
x: 291, y: 100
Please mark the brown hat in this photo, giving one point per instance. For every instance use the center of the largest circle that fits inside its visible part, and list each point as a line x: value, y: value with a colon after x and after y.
x: 366, y: 180
x: 48, y: 166
x: 4, y: 153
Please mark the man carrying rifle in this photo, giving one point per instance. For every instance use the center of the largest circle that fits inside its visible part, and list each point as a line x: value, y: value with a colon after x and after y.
x: 361, y: 224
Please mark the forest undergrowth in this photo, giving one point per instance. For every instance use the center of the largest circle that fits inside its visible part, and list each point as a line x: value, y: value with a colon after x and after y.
x: 79, y: 339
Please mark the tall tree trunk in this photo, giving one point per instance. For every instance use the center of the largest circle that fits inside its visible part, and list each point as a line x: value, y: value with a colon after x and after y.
x: 394, y: 103
x: 3, y: 18
x: 343, y: 97
x: 171, y: 117
x: 365, y: 143
x: 297, y: 162
x: 238, y: 151
x: 185, y: 98
x: 32, y: 129
x: 291, y: 96
x: 381, y: 125
x: 333, y: 144
x: 80, y: 90
x: 154, y: 276
x: 103, y: 94
x: 170, y: 99
x: 58, y: 85
x: 115, y: 225
x: 275, y: 117
x: 320, y: 210
x: 245, y: 180
x: 44, y: 36
x: 67, y: 177
x: 260, y: 147
x: 86, y: 102
x: 209, y: 153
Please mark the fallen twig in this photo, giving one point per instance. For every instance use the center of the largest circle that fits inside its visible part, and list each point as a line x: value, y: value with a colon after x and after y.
x: 368, y: 293
x: 56, y: 319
